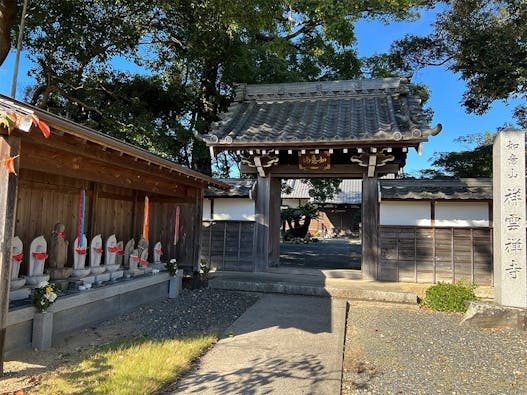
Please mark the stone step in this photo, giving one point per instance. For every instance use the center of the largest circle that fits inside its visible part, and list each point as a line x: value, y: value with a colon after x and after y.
x: 302, y: 285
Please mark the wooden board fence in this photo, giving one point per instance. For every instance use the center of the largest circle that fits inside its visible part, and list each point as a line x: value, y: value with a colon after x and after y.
x: 228, y: 245
x: 429, y: 254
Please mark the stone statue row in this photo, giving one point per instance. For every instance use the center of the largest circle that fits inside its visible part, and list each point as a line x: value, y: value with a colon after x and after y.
x: 118, y: 262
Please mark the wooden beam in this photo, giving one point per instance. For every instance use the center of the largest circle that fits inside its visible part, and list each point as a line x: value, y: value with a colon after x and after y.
x: 371, y: 165
x: 70, y: 144
x: 63, y: 163
x: 9, y: 147
x: 336, y: 171
x: 196, y: 227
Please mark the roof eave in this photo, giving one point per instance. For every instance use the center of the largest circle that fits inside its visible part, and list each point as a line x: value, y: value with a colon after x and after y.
x: 67, y: 126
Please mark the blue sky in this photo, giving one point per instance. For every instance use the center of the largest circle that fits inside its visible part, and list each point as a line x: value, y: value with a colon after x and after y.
x: 446, y: 88
x: 375, y: 37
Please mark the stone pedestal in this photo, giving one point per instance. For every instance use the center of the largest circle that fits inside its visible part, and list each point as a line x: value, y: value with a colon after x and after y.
x: 60, y: 276
x: 80, y: 273
x: 17, y: 283
x: 175, y: 284
x: 102, y: 277
x: 135, y: 272
x: 19, y: 294
x: 42, y: 330
x: 61, y: 273
x: 114, y: 271
x: 37, y: 281
x: 489, y: 315
x: 117, y: 274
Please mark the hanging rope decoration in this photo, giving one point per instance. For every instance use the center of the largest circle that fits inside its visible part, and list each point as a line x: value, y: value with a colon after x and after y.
x: 11, y: 120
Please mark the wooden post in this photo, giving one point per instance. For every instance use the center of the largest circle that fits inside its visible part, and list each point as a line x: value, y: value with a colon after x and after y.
x: 261, y: 234
x: 9, y: 147
x: 370, y: 228
x: 274, y: 222
x: 196, y: 237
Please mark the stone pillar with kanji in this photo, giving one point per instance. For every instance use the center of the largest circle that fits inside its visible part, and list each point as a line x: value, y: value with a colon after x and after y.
x: 510, y: 274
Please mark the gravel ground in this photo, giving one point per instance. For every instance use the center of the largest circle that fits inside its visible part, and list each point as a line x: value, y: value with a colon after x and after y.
x: 396, y: 350
x: 194, y: 311
x: 197, y: 311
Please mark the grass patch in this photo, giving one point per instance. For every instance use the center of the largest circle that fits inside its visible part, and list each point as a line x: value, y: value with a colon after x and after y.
x: 449, y: 297
x: 132, y: 366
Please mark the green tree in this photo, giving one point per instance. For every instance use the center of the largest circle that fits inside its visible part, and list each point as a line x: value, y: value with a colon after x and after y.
x: 322, y: 189
x: 485, y: 42
x: 472, y: 163
x: 197, y: 49
x: 298, y: 220
x: 8, y: 10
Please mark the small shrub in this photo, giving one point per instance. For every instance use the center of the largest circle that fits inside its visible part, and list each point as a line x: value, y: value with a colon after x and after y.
x: 449, y: 297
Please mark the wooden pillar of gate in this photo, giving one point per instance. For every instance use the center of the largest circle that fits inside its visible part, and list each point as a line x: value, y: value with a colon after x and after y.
x: 370, y: 228
x: 261, y: 217
x: 274, y: 222
x: 267, y: 221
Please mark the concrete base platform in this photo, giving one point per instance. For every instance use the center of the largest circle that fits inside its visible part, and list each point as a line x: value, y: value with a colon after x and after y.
x: 321, y: 284
x: 489, y: 315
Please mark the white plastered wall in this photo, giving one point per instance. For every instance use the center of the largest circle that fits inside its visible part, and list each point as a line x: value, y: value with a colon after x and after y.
x: 462, y: 214
x: 206, y: 209
x: 405, y: 213
x: 233, y: 209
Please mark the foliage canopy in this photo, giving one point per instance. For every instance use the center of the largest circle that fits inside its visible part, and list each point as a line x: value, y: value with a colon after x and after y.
x: 185, y: 57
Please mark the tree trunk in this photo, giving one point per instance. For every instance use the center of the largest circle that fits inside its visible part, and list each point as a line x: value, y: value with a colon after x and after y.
x: 7, y: 21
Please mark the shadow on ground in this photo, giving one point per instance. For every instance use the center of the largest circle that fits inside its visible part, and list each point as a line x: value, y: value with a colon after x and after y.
x: 324, y: 254
x: 262, y: 373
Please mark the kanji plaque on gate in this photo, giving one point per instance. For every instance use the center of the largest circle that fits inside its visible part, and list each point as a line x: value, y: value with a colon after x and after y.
x: 314, y: 161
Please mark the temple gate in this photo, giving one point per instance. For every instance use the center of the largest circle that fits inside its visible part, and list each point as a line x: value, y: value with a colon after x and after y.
x: 341, y: 129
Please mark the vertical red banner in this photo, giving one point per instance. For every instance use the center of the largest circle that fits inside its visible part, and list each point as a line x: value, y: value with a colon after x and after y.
x: 146, y: 218
x: 177, y: 227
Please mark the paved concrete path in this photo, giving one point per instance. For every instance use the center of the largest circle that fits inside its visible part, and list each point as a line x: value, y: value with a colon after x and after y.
x: 283, y: 344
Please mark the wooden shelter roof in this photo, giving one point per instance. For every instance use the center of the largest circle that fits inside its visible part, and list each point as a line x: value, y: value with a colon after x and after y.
x: 317, y: 114
x: 462, y: 189
x: 78, y: 151
x: 238, y: 188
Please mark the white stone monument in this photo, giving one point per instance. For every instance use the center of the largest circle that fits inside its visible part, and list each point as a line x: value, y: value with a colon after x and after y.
x: 510, y: 274
x: 142, y: 246
x: 120, y: 254
x: 110, y: 258
x: 143, y: 260
x: 128, y: 250
x: 37, y: 257
x: 17, y: 289
x: 158, y: 253
x: 80, y: 272
x: 133, y: 264
x: 96, y: 250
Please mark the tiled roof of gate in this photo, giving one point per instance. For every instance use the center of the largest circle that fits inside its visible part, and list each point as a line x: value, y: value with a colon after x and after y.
x: 351, y: 111
x: 239, y: 188
x: 463, y: 189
